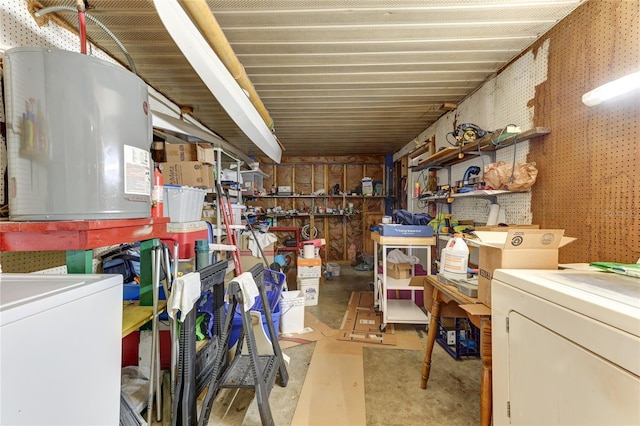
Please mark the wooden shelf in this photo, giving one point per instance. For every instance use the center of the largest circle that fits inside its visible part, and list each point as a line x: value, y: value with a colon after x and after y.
x: 78, y: 234
x: 319, y: 196
x: 135, y: 316
x: 451, y: 155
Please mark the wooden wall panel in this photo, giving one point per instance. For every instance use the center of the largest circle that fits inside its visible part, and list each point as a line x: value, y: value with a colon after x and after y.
x: 303, y: 181
x: 344, y: 235
x: 588, y: 180
x: 335, y: 176
x: 319, y: 178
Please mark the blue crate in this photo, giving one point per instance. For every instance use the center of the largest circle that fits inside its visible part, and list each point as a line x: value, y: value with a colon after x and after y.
x: 466, y: 344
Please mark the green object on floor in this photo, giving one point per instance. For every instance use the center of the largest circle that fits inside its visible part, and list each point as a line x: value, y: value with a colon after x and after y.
x: 362, y: 267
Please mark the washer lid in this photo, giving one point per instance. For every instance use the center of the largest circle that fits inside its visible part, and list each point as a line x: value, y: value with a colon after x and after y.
x: 607, y: 297
x: 22, y: 295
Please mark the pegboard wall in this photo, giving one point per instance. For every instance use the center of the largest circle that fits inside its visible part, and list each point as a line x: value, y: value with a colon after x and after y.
x: 588, y: 166
x: 503, y: 100
x: 588, y: 182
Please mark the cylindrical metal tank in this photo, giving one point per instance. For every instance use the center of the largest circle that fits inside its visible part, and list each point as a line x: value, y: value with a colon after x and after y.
x: 78, y: 136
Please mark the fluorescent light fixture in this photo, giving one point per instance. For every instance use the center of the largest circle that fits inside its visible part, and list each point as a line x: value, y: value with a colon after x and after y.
x: 166, y: 122
x: 216, y: 77
x: 616, y: 88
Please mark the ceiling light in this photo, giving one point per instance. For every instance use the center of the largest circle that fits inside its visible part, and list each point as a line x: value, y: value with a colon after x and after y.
x: 614, y: 89
x: 216, y: 77
x: 172, y: 124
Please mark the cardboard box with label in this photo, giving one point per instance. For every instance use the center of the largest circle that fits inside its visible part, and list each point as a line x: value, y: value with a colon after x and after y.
x: 176, y: 152
x: 187, y: 173
x: 499, y: 228
x: 399, y: 270
x: 516, y: 249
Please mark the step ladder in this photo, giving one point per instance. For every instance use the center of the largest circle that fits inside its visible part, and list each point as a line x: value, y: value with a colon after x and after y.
x: 249, y: 369
x: 195, y: 368
x: 224, y: 204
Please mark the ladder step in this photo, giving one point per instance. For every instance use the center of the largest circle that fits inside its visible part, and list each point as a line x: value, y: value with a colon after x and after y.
x: 239, y: 374
x: 222, y: 247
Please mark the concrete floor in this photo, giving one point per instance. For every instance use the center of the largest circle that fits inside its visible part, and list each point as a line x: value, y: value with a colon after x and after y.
x: 392, y: 393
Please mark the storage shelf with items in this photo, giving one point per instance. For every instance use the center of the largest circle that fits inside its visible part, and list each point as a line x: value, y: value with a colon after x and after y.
x: 399, y: 310
x: 454, y: 155
x: 448, y: 157
x: 466, y: 188
x: 252, y: 182
x: 325, y: 197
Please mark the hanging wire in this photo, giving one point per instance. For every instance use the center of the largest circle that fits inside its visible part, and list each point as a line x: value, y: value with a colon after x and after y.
x: 54, y: 9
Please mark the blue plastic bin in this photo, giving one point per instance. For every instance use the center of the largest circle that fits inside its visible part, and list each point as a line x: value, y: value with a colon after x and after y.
x: 273, y: 282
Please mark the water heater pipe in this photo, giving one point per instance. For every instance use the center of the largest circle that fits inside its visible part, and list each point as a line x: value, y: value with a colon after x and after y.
x: 200, y: 13
x: 54, y: 9
x: 82, y: 26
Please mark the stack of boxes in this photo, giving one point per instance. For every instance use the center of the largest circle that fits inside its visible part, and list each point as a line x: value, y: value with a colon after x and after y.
x: 188, y: 164
x: 187, y: 169
x: 309, y: 273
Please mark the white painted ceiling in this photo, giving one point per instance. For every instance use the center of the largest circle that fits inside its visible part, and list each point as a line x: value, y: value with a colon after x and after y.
x: 337, y: 77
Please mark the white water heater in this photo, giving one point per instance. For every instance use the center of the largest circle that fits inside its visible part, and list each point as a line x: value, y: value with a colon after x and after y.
x: 78, y: 137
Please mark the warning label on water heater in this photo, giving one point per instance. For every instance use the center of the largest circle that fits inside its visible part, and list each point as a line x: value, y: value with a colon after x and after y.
x: 137, y: 171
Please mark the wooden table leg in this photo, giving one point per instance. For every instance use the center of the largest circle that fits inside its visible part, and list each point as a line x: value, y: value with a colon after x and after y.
x: 431, y: 337
x: 485, y: 381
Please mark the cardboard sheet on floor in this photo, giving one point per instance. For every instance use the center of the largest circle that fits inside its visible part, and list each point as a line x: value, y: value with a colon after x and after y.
x: 361, y: 322
x: 333, y: 390
x: 314, y: 330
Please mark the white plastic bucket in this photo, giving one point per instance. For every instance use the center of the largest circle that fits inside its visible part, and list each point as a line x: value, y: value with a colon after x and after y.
x: 292, y: 312
x: 308, y: 251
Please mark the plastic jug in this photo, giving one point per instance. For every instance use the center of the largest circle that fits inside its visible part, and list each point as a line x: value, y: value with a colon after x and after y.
x: 455, y: 258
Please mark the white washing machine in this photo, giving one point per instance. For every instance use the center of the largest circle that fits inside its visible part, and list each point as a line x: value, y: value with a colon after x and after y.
x: 60, y: 349
x: 566, y: 348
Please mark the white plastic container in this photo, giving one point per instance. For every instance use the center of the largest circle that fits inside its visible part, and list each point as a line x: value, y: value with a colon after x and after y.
x: 309, y: 271
x: 310, y: 287
x: 183, y: 203
x: 238, y: 210
x: 334, y: 268
x: 292, y: 312
x: 455, y: 258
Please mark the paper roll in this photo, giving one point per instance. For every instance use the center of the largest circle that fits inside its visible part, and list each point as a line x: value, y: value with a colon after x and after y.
x: 493, y: 215
x: 502, y: 215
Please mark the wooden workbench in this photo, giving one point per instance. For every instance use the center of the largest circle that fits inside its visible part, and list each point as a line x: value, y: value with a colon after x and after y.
x: 450, y: 300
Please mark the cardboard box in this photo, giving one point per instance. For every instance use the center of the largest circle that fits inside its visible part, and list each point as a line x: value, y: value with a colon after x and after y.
x: 394, y: 229
x: 309, y: 271
x: 310, y: 287
x: 496, y: 228
x: 398, y: 270
x: 361, y: 322
x: 187, y: 173
x: 205, y: 154
x: 176, y: 152
x: 316, y: 261
x: 516, y: 249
